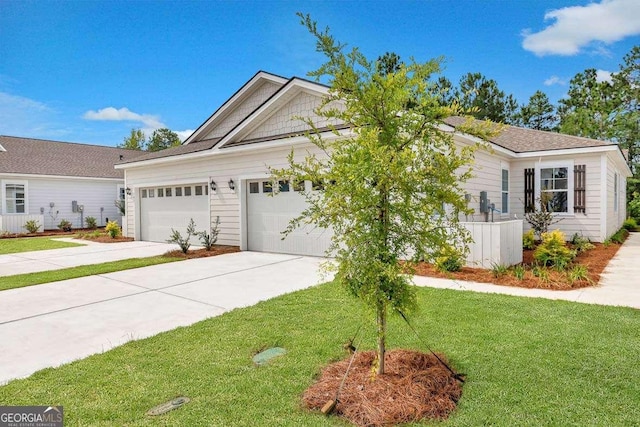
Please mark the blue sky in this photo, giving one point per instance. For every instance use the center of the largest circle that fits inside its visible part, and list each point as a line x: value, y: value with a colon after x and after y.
x: 89, y: 71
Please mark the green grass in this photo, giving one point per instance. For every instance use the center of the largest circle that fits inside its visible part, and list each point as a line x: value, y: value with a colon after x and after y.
x: 529, y: 362
x: 27, y: 244
x: 30, y: 279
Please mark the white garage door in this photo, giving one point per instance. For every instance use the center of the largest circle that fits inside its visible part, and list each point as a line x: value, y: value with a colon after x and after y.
x: 164, y: 208
x: 268, y: 215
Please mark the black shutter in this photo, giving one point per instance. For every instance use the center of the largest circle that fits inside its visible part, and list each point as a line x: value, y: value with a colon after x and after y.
x: 579, y: 188
x: 529, y: 190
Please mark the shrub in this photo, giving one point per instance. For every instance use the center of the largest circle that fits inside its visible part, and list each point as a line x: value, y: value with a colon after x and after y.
x: 112, y: 229
x: 183, y: 242
x: 634, y: 207
x: 553, y: 250
x: 618, y: 237
x: 499, y: 270
x: 64, y: 225
x: 210, y: 239
x: 518, y: 272
x: 450, y: 260
x: 578, y: 273
x: 541, y: 218
x: 630, y: 224
x: 541, y: 273
x: 529, y: 240
x: 121, y: 206
x: 581, y: 243
x: 32, y: 226
x: 92, y: 223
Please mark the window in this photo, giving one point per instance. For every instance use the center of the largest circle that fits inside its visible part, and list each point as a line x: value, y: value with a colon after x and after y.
x: 254, y: 187
x: 284, y: 186
x: 554, y: 189
x: 317, y: 186
x: 121, y: 192
x: 152, y: 192
x: 144, y: 193
x: 178, y: 191
x: 505, y: 191
x: 187, y: 191
x: 267, y: 187
x: 15, y: 198
x: 160, y: 192
x: 198, y: 190
x: 167, y: 191
x: 206, y: 189
x: 616, y: 196
x: 298, y: 185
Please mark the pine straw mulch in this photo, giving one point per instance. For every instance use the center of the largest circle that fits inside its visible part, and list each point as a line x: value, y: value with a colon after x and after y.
x: 203, y: 253
x: 414, y: 386
x: 595, y: 260
x: 105, y: 238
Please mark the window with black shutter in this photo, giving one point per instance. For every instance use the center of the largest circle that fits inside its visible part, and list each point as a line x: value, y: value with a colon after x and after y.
x: 580, y: 189
x: 529, y: 189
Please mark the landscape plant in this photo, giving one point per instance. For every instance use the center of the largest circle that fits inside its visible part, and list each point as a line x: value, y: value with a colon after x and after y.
x: 540, y: 217
x: 449, y: 261
x: 64, y: 225
x: 519, y: 272
x: 581, y: 243
x: 113, y: 229
x: 208, y: 239
x: 553, y: 250
x: 32, y: 226
x: 630, y: 224
x: 529, y: 240
x: 183, y: 242
x: 91, y: 222
x: 387, y: 182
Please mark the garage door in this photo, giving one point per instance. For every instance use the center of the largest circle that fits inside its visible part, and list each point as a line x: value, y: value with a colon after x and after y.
x: 268, y: 215
x: 164, y: 208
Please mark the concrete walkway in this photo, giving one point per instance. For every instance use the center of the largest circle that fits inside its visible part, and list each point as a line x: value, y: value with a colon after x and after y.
x: 87, y: 254
x: 619, y: 283
x: 55, y: 323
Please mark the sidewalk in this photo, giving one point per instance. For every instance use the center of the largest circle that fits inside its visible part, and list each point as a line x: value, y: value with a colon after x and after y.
x: 89, y: 253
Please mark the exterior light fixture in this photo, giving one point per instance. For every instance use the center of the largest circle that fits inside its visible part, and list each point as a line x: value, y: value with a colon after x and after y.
x: 213, y: 186
x: 128, y: 191
x: 232, y: 185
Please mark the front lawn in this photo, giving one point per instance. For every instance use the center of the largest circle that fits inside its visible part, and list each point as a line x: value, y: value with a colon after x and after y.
x: 28, y: 244
x: 30, y: 279
x: 529, y: 362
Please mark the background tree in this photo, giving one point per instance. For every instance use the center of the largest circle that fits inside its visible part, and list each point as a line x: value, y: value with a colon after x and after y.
x: 538, y: 114
x: 485, y: 100
x: 386, y: 186
x: 161, y: 139
x: 135, y: 140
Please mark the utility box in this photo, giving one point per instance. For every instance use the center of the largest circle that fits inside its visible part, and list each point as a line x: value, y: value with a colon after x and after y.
x: 484, y: 202
x: 74, y: 206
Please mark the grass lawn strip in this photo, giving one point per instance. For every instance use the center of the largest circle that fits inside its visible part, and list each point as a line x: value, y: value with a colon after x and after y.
x: 30, y: 279
x: 28, y: 244
x: 529, y: 362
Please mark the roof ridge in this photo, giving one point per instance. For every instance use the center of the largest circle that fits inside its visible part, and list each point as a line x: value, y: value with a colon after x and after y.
x: 67, y: 142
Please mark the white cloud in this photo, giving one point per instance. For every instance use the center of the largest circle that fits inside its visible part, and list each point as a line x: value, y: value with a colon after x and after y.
x: 576, y: 27
x: 604, y: 76
x: 184, y: 134
x: 555, y: 80
x: 124, y: 114
x: 26, y: 117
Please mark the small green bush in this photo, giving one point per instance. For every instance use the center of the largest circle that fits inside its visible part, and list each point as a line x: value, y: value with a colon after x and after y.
x: 499, y: 270
x: 210, y: 239
x: 554, y: 251
x: 183, y: 242
x: 618, y: 237
x: 634, y: 207
x: 629, y: 224
x: 92, y: 223
x: 578, y: 273
x: 112, y: 229
x: 64, y: 225
x: 449, y: 261
x: 541, y: 273
x: 581, y: 243
x: 519, y: 271
x: 529, y: 240
x: 32, y: 226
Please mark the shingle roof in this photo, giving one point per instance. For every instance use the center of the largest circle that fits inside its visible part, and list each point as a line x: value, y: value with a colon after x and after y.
x: 192, y: 147
x: 522, y: 140
x: 42, y: 157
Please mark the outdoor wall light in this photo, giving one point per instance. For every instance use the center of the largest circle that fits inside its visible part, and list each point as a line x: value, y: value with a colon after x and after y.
x: 213, y: 186
x: 128, y: 191
x: 232, y: 185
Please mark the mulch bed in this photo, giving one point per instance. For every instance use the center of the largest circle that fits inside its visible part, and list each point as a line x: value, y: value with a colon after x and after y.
x: 203, y: 253
x: 595, y: 260
x: 105, y: 238
x: 46, y: 233
x: 414, y: 386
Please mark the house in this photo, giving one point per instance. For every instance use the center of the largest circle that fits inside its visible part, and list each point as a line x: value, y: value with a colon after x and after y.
x: 221, y: 171
x: 48, y: 181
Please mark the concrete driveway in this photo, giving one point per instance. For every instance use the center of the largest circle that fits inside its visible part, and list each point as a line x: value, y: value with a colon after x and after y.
x: 51, y: 324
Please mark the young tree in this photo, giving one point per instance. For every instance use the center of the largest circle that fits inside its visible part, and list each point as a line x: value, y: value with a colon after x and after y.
x: 135, y: 140
x: 393, y: 188
x: 161, y: 139
x: 539, y: 113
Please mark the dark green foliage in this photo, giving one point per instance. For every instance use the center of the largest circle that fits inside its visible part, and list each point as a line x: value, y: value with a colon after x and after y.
x: 619, y: 236
x: 161, y: 139
x: 183, y: 242
x: 91, y: 222
x: 32, y: 226
x: 630, y: 224
x: 581, y: 243
x: 210, y: 238
x: 64, y: 225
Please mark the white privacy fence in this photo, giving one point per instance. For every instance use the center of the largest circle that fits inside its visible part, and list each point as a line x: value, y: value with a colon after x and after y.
x: 15, y: 223
x: 494, y: 243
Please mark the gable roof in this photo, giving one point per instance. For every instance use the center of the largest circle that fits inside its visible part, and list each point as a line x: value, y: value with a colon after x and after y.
x: 523, y: 140
x: 42, y: 157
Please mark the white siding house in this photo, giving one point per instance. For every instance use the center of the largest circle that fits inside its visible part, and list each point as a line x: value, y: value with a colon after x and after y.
x: 48, y: 181
x: 225, y: 163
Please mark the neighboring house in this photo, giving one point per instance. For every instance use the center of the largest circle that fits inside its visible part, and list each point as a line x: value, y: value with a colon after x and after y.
x: 49, y: 181
x: 222, y: 171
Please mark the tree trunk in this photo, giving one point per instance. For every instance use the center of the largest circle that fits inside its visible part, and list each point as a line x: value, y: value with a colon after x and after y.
x: 381, y: 320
